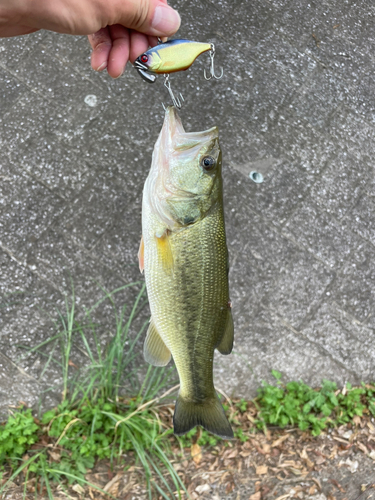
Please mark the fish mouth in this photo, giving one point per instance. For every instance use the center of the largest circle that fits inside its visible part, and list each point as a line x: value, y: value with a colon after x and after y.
x: 176, y: 137
x: 143, y: 71
x: 172, y: 127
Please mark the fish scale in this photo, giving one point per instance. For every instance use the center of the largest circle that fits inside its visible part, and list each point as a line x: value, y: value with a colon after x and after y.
x: 186, y: 270
x: 197, y: 289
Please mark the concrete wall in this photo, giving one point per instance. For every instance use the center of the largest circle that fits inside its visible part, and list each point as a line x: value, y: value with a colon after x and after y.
x: 296, y: 103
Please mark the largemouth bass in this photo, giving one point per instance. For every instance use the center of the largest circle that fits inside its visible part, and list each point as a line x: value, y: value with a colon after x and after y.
x: 184, y: 256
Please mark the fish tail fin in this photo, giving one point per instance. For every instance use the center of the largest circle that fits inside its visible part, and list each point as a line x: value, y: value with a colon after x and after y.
x: 208, y: 413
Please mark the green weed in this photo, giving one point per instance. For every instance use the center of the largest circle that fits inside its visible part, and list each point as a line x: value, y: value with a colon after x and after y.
x: 97, y: 418
x: 293, y: 404
x: 17, y: 435
x: 296, y: 403
x: 106, y: 412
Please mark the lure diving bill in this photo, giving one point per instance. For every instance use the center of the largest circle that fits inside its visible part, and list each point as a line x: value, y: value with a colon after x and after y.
x: 184, y: 256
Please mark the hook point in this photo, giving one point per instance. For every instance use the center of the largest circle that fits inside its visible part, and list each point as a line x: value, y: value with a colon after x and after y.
x: 176, y: 101
x: 212, y: 66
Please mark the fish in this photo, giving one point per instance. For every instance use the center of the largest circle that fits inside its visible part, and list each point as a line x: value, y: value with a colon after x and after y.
x: 169, y: 57
x: 184, y: 256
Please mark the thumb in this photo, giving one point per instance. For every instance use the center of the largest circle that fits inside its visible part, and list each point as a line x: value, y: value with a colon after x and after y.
x: 152, y: 17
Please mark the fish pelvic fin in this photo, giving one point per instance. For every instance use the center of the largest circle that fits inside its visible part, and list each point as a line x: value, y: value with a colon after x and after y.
x: 155, y: 351
x: 208, y: 413
x: 226, y: 343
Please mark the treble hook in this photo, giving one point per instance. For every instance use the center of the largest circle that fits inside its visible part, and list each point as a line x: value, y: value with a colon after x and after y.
x: 212, y: 68
x: 176, y: 101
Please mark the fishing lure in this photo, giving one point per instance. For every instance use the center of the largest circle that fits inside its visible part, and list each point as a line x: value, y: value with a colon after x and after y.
x: 170, y: 57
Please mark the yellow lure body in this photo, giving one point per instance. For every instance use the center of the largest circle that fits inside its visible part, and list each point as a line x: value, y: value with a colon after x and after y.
x: 171, y: 56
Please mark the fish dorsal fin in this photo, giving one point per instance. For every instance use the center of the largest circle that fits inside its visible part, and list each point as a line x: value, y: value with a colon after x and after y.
x: 141, y: 255
x: 165, y: 254
x: 155, y: 351
x: 226, y: 343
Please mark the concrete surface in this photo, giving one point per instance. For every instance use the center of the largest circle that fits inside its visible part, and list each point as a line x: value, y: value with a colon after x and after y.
x: 296, y: 103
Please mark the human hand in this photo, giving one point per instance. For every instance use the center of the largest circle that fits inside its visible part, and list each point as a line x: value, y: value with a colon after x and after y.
x: 115, y: 44
x: 119, y: 30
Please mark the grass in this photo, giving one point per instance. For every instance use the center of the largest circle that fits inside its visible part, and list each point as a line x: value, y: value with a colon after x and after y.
x: 97, y: 418
x: 106, y: 412
x: 293, y: 404
x: 298, y: 404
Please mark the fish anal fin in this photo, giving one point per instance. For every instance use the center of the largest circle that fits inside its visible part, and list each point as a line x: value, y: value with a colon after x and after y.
x: 165, y: 250
x: 208, y: 413
x: 141, y: 255
x: 155, y: 351
x: 226, y: 343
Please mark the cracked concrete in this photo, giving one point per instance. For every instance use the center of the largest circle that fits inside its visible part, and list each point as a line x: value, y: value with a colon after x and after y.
x: 296, y: 103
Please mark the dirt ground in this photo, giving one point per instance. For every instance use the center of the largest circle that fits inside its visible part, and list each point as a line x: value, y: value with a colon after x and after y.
x: 280, y: 464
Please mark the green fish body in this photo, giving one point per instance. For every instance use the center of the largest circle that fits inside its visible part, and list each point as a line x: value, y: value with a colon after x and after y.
x: 184, y: 256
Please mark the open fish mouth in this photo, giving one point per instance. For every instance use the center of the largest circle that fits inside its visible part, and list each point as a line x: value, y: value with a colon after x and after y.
x: 169, y: 182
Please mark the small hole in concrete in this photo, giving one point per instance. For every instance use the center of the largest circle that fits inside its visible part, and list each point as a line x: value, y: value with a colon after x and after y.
x: 256, y: 177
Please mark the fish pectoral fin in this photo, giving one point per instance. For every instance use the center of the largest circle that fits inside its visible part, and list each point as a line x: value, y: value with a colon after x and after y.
x: 155, y: 351
x: 165, y: 254
x: 141, y: 255
x: 226, y: 343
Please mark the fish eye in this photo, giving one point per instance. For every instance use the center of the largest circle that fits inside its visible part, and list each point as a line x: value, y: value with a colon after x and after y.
x: 144, y: 58
x: 208, y: 163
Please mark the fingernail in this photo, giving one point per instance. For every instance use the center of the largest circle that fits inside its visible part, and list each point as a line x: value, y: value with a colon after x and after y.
x: 166, y: 20
x: 115, y: 77
x: 102, y: 66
